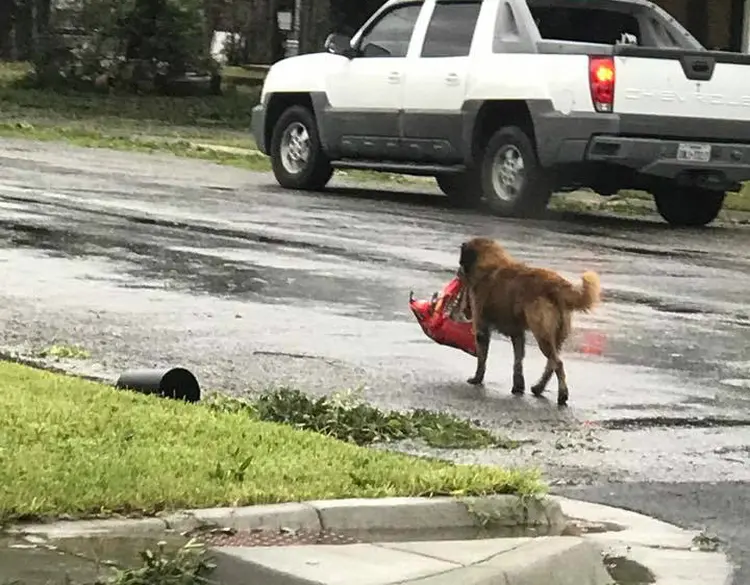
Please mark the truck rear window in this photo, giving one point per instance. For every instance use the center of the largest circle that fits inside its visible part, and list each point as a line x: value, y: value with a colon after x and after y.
x: 584, y: 25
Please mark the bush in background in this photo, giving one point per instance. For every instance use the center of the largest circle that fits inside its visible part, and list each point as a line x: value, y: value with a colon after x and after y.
x: 141, y: 46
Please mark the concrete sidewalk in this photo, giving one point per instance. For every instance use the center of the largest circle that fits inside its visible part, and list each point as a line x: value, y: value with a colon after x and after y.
x: 634, y: 546
x: 411, y: 541
x: 511, y: 561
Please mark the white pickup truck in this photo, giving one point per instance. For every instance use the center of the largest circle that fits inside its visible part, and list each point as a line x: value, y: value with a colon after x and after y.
x: 506, y: 101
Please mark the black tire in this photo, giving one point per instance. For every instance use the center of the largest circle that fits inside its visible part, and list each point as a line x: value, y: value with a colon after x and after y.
x: 531, y: 194
x: 462, y: 189
x: 688, y: 206
x: 314, y: 172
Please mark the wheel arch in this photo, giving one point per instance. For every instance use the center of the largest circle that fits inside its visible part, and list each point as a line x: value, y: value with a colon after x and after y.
x: 487, y: 116
x: 279, y: 102
x: 497, y: 125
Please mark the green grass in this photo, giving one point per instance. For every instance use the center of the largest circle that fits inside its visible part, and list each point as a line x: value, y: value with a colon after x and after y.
x: 739, y: 201
x: 635, y: 203
x: 627, y: 203
x: 182, y: 126
x: 219, y: 119
x: 176, y: 125
x: 77, y: 448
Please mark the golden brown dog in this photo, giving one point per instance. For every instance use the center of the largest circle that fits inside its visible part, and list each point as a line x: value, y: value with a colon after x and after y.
x: 510, y: 297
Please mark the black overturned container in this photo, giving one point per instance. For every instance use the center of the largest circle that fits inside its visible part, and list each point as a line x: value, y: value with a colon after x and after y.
x: 175, y: 383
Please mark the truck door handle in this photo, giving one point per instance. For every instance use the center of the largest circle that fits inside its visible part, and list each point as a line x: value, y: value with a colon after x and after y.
x: 394, y: 77
x: 700, y: 66
x: 451, y: 79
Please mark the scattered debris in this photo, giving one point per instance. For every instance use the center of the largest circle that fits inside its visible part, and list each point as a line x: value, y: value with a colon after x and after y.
x: 705, y: 542
x: 64, y: 351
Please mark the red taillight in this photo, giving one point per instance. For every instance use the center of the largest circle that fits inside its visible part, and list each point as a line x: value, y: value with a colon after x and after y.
x: 602, y: 83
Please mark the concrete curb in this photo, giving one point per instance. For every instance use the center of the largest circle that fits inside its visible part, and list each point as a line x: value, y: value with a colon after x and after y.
x: 334, y: 515
x: 668, y: 551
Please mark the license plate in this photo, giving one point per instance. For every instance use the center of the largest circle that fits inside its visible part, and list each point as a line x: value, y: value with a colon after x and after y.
x: 693, y: 152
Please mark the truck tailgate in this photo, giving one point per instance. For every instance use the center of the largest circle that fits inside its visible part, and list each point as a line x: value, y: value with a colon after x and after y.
x: 675, y: 82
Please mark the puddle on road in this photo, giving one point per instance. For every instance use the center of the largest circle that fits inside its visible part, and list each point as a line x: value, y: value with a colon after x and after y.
x: 76, y: 560
x: 34, y: 561
x: 627, y: 572
x: 674, y: 305
x: 27, y: 564
x: 572, y: 528
x: 664, y: 422
x: 263, y: 538
x: 470, y: 533
x: 268, y: 271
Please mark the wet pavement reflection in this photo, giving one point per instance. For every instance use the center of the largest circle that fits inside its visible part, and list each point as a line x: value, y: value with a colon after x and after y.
x: 150, y: 261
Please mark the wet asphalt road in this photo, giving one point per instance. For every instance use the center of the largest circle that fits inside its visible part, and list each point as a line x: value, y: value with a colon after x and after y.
x: 152, y: 261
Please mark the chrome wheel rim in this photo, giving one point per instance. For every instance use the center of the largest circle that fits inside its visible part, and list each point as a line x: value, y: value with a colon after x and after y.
x: 295, y: 148
x: 508, y: 173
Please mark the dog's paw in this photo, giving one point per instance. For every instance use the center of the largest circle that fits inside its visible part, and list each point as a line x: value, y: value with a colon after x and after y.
x: 474, y: 381
x: 537, y: 390
x: 518, y: 390
x: 562, y: 398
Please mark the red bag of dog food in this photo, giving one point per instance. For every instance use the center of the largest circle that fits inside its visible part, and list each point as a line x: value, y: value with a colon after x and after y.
x: 444, y: 318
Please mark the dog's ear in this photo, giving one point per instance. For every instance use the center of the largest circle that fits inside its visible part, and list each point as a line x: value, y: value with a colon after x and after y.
x: 468, y: 258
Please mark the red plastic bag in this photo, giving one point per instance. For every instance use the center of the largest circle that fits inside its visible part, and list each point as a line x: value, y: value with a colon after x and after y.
x: 444, y: 318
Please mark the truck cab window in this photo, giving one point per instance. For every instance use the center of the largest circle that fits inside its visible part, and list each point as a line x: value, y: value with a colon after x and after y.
x: 573, y: 24
x: 451, y: 29
x: 390, y: 36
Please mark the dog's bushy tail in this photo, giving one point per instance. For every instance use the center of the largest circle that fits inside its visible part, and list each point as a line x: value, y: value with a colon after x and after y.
x: 585, y: 296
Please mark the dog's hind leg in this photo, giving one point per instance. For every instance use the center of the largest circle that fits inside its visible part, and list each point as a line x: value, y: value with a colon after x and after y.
x: 549, y: 368
x: 519, y: 351
x: 554, y: 365
x: 541, y: 318
x: 562, y: 384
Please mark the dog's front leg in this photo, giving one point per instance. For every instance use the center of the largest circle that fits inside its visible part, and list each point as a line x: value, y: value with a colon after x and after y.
x: 482, y: 336
x: 519, y: 351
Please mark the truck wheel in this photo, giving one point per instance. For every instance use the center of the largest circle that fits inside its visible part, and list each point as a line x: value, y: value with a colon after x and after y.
x: 462, y: 189
x: 297, y: 157
x: 513, y: 183
x: 688, y: 206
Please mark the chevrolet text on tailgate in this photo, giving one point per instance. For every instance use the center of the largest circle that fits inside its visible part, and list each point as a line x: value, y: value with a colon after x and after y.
x: 506, y: 101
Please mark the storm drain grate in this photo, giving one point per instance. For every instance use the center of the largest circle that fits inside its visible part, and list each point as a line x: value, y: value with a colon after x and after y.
x: 270, y: 538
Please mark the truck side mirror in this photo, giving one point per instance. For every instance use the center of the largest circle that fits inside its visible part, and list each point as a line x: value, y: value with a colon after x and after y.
x: 339, y: 44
